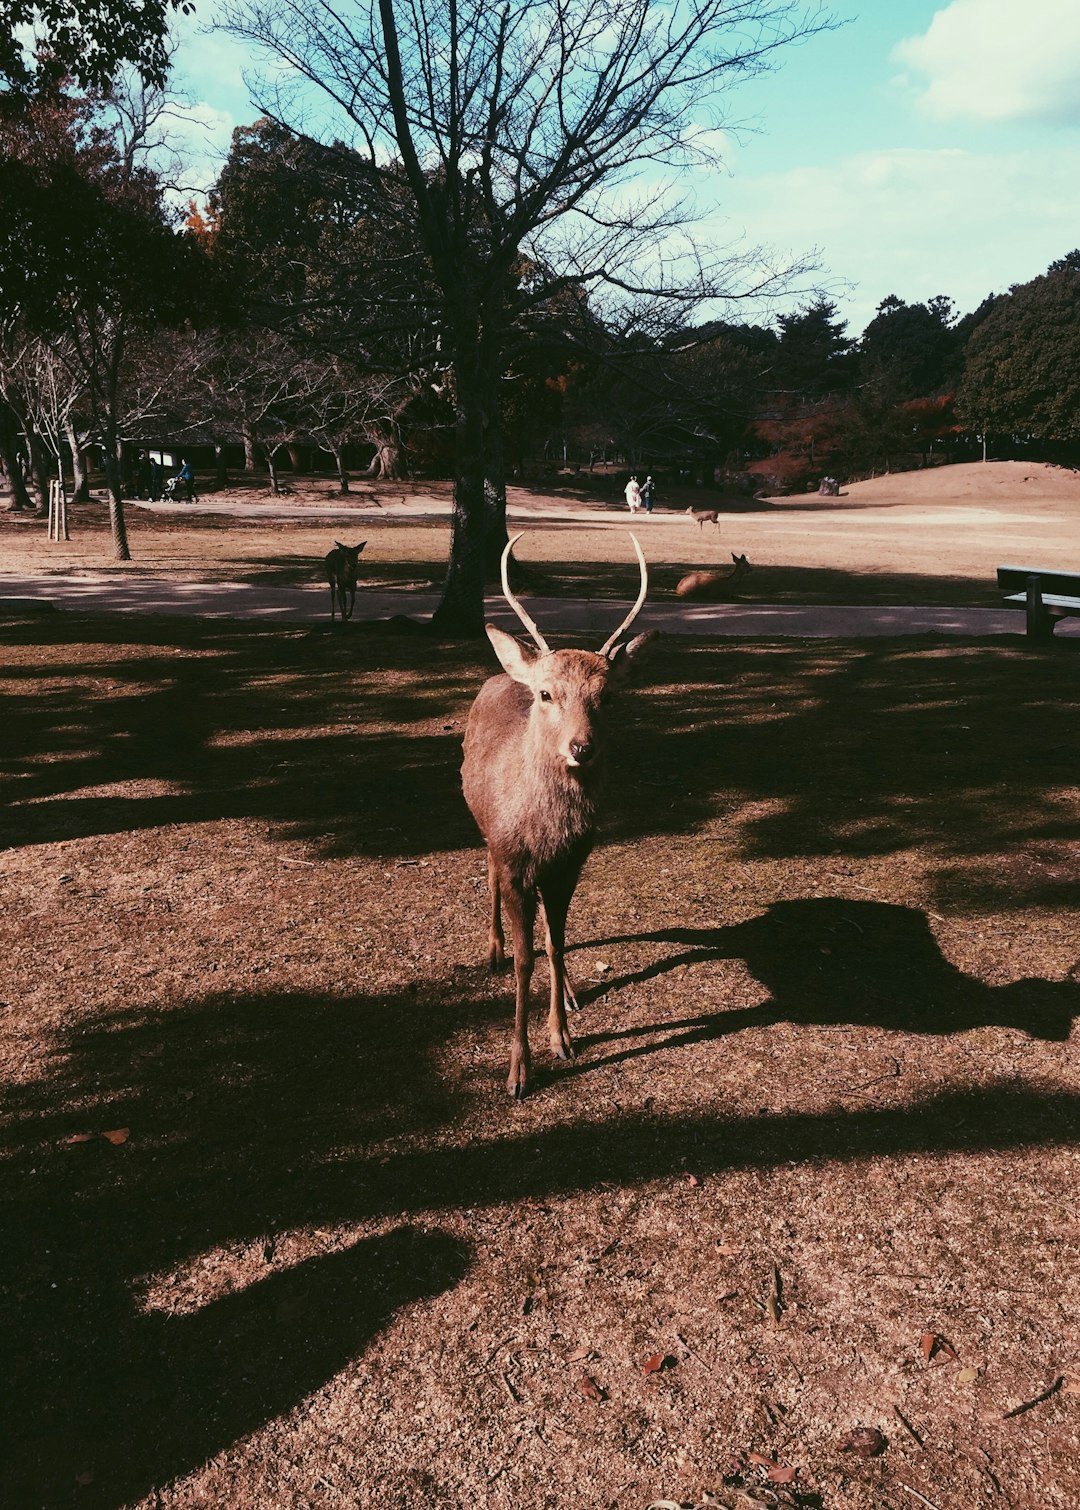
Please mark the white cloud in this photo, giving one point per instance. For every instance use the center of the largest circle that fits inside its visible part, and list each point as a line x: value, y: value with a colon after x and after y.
x: 999, y: 60
x: 914, y: 222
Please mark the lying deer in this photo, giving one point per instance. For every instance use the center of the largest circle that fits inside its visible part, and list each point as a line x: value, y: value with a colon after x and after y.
x: 707, y: 584
x: 705, y: 516
x: 341, y: 568
x: 532, y: 775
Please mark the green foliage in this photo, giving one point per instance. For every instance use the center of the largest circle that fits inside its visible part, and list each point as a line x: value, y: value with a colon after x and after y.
x: 1022, y: 362
x: 908, y: 351
x: 814, y: 355
x: 86, y: 41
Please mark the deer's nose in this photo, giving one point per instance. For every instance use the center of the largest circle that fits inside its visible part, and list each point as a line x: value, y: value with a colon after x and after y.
x: 582, y: 753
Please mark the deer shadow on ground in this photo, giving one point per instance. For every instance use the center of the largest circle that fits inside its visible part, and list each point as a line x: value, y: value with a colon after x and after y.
x: 827, y: 961
x: 151, y: 1313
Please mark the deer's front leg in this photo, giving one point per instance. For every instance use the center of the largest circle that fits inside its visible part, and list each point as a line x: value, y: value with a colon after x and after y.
x: 556, y: 906
x: 496, y: 940
x: 521, y: 911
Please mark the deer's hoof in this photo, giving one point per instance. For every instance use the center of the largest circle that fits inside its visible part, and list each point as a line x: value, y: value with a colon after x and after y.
x: 562, y: 1046
x: 520, y: 1077
x: 496, y: 958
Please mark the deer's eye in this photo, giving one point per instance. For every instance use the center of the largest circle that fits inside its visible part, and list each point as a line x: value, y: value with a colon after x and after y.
x: 545, y: 697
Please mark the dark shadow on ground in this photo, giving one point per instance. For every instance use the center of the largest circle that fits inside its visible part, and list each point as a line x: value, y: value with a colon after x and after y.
x: 844, y: 750
x: 251, y: 1119
x: 831, y: 960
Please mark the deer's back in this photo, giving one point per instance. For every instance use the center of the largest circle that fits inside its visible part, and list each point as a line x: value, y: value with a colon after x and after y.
x: 532, y: 812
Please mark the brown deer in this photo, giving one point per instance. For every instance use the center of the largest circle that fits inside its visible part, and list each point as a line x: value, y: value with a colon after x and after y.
x: 713, y: 584
x: 341, y: 568
x: 704, y: 516
x: 533, y: 772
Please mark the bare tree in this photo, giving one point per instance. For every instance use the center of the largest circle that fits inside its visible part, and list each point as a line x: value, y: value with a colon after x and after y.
x: 516, y: 131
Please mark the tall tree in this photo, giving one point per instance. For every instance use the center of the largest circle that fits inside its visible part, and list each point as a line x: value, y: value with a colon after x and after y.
x: 909, y: 351
x: 94, y: 257
x: 505, y: 129
x: 814, y: 356
x: 1022, y: 361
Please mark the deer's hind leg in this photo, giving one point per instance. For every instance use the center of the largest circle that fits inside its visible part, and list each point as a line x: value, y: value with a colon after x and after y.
x: 496, y: 939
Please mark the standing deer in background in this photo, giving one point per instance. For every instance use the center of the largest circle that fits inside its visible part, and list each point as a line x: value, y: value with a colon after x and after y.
x: 705, y: 516
x: 341, y: 568
x: 533, y: 773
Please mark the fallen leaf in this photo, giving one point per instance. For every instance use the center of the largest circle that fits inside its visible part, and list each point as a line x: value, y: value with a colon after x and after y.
x: 967, y: 1375
x: 867, y: 1441
x: 693, y: 1181
x: 85, y: 1477
x: 590, y: 1389
x: 80, y: 1138
x: 725, y: 1250
x: 580, y: 1354
x: 117, y: 1136
x: 603, y: 968
x: 935, y: 1346
x: 657, y: 1361
x: 780, y: 1475
x: 760, y: 1460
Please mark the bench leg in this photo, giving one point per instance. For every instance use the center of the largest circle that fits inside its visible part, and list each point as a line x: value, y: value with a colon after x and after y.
x: 1040, y: 624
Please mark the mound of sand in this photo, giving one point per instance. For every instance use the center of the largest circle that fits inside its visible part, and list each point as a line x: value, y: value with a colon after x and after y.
x: 972, y: 482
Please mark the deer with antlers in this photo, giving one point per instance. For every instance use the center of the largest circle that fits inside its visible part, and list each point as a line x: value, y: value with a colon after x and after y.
x: 533, y: 775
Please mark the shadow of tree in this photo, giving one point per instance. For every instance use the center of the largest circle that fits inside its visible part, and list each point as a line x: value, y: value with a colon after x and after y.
x: 257, y: 1117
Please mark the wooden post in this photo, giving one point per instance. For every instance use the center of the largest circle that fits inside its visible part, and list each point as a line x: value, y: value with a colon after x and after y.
x: 1040, y: 624
x: 58, y: 524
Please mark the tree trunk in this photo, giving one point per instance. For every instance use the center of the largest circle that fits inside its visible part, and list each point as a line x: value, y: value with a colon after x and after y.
x: 41, y: 468
x: 9, y: 453
x: 477, y: 511
x: 117, y: 526
x: 81, y: 492
x: 339, y: 463
x: 249, y: 449
x: 270, y: 452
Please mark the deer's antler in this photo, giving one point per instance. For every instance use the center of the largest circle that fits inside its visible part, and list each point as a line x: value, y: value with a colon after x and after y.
x: 610, y: 644
x: 514, y: 604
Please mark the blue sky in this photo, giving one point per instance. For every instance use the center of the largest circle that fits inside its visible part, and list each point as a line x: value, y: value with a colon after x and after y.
x: 925, y: 147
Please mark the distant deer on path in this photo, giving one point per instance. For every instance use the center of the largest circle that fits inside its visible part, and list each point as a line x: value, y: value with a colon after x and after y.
x: 532, y: 775
x: 704, y: 516
x: 342, y: 564
x: 706, y: 584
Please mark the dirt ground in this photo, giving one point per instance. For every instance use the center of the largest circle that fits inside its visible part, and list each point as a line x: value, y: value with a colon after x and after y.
x: 276, y: 1237
x: 919, y: 537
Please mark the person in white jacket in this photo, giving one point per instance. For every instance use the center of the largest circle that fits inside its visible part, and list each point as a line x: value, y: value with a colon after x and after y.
x: 632, y: 494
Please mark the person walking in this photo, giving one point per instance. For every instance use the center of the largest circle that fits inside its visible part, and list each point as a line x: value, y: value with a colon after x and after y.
x: 186, y: 478
x: 632, y: 494
x: 646, y: 494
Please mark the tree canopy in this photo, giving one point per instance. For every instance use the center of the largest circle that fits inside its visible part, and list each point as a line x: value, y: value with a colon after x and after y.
x: 1022, y: 361
x: 86, y: 41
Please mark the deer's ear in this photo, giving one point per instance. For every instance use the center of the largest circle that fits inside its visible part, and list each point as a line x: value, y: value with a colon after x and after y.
x: 517, y: 659
x: 623, y: 657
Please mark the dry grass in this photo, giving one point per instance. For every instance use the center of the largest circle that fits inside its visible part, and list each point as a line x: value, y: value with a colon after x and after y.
x: 826, y: 1100
x: 924, y: 537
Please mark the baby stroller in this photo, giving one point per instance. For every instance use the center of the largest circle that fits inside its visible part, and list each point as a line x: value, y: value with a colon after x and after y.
x: 171, y: 490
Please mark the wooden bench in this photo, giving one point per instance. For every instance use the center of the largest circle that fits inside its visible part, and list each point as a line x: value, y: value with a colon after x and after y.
x: 1046, y: 596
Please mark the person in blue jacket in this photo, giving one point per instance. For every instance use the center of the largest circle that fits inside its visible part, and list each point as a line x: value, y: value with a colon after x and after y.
x: 186, y: 479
